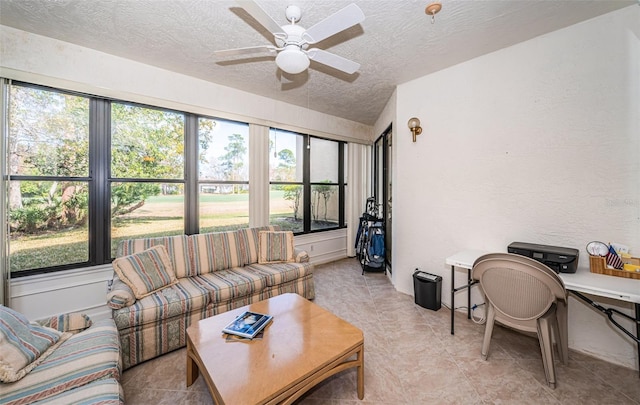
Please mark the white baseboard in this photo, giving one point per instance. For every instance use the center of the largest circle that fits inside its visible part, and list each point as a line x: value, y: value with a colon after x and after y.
x: 328, y: 257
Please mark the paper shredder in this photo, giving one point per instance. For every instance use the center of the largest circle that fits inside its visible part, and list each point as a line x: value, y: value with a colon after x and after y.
x: 427, y: 290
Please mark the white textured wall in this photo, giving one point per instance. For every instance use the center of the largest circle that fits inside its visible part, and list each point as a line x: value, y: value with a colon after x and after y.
x: 386, y: 117
x: 538, y: 142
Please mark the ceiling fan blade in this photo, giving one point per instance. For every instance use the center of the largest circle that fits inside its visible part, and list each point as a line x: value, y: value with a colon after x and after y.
x: 333, y: 60
x: 261, y: 16
x: 339, y: 21
x: 244, y: 51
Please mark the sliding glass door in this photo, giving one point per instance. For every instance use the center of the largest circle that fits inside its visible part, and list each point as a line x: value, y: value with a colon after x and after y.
x: 382, y: 189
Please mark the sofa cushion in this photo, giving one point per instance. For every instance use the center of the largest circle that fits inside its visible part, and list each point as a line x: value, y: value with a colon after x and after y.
x: 74, y: 322
x: 177, y: 248
x: 217, y: 251
x: 275, y: 247
x: 24, y: 345
x: 147, y: 271
x: 87, y: 356
x: 280, y: 273
x: 250, y: 237
x: 183, y: 297
x: 228, y: 284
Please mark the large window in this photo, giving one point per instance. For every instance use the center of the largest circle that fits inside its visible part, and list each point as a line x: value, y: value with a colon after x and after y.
x: 286, y: 193
x: 86, y: 172
x: 48, y: 159
x: 147, y: 173
x: 306, y: 182
x: 223, y: 166
x: 324, y: 183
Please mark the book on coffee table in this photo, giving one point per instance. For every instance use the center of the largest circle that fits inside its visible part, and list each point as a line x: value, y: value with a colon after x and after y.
x: 248, y: 325
x: 235, y: 338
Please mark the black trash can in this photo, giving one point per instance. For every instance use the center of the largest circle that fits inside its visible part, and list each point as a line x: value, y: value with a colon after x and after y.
x: 427, y: 289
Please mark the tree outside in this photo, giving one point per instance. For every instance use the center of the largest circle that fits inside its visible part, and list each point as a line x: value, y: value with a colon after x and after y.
x: 232, y: 162
x: 145, y: 144
x: 321, y: 193
x: 224, y: 178
x: 293, y: 193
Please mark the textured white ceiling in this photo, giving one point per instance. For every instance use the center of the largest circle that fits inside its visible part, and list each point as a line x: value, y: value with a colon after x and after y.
x: 396, y: 42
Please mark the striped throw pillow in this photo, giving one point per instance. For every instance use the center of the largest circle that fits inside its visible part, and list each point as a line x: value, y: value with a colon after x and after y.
x: 217, y: 251
x: 251, y: 238
x: 275, y: 247
x: 24, y: 345
x: 147, y: 271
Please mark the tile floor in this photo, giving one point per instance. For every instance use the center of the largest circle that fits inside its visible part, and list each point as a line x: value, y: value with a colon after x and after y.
x: 411, y: 358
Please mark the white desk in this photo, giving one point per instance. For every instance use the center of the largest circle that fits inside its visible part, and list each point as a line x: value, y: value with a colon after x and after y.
x: 619, y: 288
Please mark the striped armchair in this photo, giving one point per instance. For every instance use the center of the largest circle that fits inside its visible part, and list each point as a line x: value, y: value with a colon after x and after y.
x: 84, y: 369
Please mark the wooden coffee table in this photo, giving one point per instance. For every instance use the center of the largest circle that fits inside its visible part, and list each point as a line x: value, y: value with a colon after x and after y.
x: 303, y: 345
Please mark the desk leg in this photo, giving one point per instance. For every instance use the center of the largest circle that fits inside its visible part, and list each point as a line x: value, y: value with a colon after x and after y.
x: 610, y: 312
x: 453, y: 290
x: 469, y: 293
x: 637, y: 333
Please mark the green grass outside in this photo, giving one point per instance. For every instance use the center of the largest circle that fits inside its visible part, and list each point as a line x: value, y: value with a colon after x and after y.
x: 223, y: 197
x: 71, y: 246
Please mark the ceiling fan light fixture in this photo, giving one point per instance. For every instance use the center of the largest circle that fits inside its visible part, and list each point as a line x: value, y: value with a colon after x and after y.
x: 292, y: 60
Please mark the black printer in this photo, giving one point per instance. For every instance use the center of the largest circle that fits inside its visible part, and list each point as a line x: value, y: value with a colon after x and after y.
x: 560, y: 259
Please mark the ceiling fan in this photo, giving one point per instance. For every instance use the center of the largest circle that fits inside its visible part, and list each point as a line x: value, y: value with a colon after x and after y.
x: 292, y: 41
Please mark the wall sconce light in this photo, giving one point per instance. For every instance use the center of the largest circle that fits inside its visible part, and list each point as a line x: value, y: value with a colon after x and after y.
x: 414, y: 126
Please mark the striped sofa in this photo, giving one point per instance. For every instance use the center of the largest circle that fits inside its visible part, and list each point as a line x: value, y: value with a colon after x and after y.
x: 85, y: 369
x: 216, y: 272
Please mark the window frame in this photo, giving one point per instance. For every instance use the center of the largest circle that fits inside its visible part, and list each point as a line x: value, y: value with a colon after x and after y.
x: 307, y: 184
x: 91, y: 241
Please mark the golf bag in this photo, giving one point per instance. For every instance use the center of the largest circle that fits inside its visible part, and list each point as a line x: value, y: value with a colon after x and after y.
x: 370, y: 240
